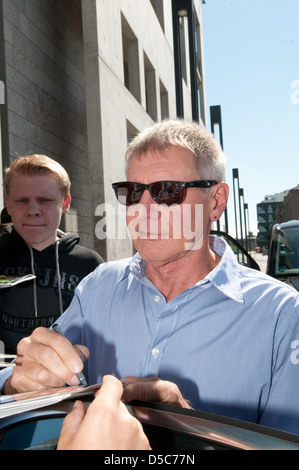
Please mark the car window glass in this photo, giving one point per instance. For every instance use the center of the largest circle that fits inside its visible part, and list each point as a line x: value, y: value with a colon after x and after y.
x: 287, y: 254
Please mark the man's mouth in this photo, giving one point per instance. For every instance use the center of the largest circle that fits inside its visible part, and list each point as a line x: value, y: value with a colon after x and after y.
x: 33, y: 226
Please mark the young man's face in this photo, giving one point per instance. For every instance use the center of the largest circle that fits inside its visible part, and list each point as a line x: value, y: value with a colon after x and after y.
x: 36, y: 204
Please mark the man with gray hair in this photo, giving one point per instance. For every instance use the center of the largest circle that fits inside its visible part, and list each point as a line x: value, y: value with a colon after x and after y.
x: 182, y: 309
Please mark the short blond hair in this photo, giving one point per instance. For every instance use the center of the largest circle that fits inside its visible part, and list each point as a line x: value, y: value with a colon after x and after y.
x: 209, y: 159
x: 32, y: 165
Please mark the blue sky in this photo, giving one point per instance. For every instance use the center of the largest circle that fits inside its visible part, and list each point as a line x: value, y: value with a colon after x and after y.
x: 251, y: 53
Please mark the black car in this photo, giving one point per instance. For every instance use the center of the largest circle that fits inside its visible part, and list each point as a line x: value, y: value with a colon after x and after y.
x: 172, y: 431
x: 283, y: 256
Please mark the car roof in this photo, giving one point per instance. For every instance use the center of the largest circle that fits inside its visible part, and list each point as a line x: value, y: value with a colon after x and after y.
x: 289, y: 223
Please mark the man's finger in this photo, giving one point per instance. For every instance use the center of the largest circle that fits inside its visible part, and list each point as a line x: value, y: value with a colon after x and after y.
x: 110, y: 392
x: 55, y: 354
x: 62, y: 346
x: 71, y: 425
x: 153, y: 389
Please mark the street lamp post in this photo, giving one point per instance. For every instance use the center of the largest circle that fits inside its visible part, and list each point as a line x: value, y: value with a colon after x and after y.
x: 235, y: 177
x: 246, y: 218
x: 215, y: 118
x: 241, y: 221
x: 245, y: 221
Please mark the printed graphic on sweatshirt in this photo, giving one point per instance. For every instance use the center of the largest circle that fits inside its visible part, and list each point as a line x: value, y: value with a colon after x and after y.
x: 24, y: 325
x: 47, y: 277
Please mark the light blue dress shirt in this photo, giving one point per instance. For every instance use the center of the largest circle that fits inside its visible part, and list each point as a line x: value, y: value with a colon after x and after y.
x: 230, y: 342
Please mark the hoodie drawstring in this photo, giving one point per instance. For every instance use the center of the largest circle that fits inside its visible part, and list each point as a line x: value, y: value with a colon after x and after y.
x: 58, y: 278
x: 34, y: 282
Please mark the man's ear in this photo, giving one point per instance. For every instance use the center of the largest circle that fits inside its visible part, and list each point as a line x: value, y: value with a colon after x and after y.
x: 7, y: 205
x: 66, y: 204
x: 219, y: 200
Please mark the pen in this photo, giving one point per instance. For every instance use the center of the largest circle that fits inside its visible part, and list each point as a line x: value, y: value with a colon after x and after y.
x: 81, y: 376
x: 4, y: 357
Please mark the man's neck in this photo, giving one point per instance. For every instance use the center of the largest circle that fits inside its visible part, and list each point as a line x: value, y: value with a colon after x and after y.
x: 176, y: 276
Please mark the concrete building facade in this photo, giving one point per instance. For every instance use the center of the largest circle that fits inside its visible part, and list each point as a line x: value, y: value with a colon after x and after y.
x: 80, y: 78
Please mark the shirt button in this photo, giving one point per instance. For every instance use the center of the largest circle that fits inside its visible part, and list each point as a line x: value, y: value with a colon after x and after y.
x: 155, y: 352
x: 157, y: 298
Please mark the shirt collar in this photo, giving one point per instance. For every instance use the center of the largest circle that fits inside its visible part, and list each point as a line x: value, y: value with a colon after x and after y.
x: 225, y: 277
x: 137, y: 266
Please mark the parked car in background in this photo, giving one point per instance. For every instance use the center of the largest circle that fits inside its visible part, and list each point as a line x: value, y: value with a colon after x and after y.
x: 241, y: 253
x: 283, y: 256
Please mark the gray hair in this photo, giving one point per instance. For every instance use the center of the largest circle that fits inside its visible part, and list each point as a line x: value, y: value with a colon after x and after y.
x: 209, y: 159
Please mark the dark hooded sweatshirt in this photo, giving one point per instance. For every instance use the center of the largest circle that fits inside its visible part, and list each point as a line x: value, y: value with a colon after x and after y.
x: 39, y: 302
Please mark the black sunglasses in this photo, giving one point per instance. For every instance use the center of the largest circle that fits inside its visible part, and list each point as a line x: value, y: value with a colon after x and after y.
x: 162, y: 192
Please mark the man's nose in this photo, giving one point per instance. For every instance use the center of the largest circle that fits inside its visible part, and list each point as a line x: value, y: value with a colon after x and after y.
x: 146, y: 199
x: 151, y: 208
x: 33, y: 209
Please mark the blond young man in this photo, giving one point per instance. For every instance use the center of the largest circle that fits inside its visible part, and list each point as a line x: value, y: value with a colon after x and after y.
x: 37, y: 193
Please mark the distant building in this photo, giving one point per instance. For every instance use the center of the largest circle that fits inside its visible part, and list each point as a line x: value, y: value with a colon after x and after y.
x: 289, y: 210
x: 266, y: 216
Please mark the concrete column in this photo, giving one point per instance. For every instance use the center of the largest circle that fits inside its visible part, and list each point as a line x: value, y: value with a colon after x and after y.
x: 93, y: 110
x: 2, y: 101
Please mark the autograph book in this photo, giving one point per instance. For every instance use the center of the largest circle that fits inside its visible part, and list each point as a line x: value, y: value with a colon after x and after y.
x: 28, y: 401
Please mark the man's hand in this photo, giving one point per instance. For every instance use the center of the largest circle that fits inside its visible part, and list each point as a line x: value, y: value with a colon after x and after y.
x: 153, y: 389
x: 107, y: 425
x: 45, y: 359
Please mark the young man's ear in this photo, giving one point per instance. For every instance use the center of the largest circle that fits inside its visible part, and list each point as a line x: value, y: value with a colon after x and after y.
x: 7, y: 205
x: 220, y: 198
x: 66, y: 204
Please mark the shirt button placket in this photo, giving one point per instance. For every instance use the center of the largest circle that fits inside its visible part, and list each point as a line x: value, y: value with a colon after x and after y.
x: 155, y: 352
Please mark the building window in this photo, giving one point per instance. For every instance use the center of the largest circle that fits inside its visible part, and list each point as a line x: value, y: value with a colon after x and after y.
x: 183, y: 28
x: 159, y: 10
x: 131, y: 131
x: 150, y: 88
x: 164, y: 102
x: 131, y: 60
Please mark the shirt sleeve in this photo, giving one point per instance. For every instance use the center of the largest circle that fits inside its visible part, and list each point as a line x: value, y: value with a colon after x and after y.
x: 281, y: 409
x: 4, y: 375
x: 74, y: 318
x: 71, y: 322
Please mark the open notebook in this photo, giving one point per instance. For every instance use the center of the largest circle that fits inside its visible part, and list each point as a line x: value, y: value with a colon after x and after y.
x: 23, y: 402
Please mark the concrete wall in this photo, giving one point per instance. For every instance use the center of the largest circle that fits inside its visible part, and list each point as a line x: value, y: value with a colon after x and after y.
x: 112, y: 109
x: 115, y: 31
x: 46, y: 109
x: 82, y: 78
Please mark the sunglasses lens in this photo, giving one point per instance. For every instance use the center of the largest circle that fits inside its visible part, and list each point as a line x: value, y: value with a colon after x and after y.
x: 129, y: 193
x: 167, y: 192
x: 162, y: 192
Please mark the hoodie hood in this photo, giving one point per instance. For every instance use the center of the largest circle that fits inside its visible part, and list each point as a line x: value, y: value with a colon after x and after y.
x: 67, y: 241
